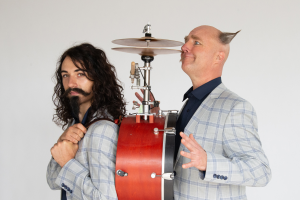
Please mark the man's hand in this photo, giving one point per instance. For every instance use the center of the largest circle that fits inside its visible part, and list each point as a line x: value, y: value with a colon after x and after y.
x: 153, y: 110
x: 64, y: 151
x: 73, y: 134
x: 197, y: 154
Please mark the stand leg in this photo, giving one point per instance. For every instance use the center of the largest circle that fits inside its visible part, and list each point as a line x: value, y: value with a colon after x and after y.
x: 138, y: 118
x: 151, y: 119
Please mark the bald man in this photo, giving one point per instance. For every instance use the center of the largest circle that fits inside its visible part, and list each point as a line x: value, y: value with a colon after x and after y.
x: 218, y: 151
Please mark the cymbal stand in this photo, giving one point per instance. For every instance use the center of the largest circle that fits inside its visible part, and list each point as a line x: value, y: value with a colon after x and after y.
x: 147, y: 88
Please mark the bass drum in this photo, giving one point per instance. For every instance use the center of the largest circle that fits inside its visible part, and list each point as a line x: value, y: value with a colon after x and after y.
x: 145, y: 158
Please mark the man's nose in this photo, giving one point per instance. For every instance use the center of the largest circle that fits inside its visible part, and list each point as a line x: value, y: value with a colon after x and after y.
x: 185, y: 48
x: 73, y: 82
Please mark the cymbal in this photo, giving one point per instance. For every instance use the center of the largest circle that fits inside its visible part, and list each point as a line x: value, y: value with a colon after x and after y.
x: 146, y: 51
x: 153, y: 42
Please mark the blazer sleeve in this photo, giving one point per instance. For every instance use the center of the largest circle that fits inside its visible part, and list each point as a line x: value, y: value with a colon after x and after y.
x: 94, y: 179
x: 243, y: 161
x: 53, y: 170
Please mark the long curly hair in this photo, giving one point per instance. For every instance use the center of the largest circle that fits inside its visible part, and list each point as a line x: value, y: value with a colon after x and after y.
x: 107, y: 99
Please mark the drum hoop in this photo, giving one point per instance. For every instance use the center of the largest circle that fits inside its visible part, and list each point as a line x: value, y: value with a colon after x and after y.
x: 163, y: 159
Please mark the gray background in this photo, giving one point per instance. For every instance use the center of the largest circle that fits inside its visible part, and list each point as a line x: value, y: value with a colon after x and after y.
x: 263, y: 68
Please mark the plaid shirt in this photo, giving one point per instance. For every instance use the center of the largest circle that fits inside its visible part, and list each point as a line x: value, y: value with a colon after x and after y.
x: 91, y: 175
x: 225, y: 126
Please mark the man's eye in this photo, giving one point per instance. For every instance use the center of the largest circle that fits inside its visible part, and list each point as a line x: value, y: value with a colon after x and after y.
x: 197, y: 43
x: 81, y: 74
x: 64, y: 75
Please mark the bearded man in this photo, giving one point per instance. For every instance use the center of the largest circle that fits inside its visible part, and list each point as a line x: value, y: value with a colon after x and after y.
x: 88, y: 99
x: 219, y: 150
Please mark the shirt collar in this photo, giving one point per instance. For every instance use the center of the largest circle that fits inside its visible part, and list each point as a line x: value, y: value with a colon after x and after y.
x: 203, y: 90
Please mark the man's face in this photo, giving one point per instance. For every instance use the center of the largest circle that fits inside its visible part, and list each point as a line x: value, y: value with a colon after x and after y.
x: 72, y: 78
x: 199, y: 50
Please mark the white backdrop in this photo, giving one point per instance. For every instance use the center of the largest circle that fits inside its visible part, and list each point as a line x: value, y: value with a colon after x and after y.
x: 263, y: 68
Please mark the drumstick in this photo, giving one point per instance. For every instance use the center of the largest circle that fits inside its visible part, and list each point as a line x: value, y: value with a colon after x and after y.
x: 132, y: 71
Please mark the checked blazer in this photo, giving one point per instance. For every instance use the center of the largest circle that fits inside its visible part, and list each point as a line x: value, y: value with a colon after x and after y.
x: 91, y: 175
x: 225, y: 125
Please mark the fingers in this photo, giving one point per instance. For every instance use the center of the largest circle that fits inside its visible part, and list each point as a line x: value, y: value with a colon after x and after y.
x: 187, y: 142
x: 188, y: 165
x: 190, y: 156
x: 74, y: 133
x: 79, y: 132
x: 81, y: 127
x: 137, y: 103
x: 197, y: 154
x: 139, y: 97
x: 70, y: 136
x: 190, y: 140
x: 186, y: 154
x: 75, y: 138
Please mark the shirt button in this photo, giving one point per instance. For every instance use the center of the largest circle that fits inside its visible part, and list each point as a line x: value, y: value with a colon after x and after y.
x: 221, y: 177
x: 215, y: 176
x: 218, y: 176
x: 225, y: 178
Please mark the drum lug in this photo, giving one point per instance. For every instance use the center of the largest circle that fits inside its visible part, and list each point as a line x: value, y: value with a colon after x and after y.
x: 121, y: 173
x: 166, y: 176
x: 166, y: 130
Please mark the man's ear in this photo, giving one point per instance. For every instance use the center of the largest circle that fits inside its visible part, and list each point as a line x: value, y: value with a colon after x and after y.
x: 220, y: 56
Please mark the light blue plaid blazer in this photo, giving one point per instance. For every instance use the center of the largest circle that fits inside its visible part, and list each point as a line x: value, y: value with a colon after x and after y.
x: 225, y: 125
x: 91, y: 175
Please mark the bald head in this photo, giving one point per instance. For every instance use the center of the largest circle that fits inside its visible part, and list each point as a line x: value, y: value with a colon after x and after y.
x: 219, y: 39
x: 204, y: 53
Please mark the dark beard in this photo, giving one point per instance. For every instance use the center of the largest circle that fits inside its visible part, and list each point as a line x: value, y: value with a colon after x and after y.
x: 74, y: 103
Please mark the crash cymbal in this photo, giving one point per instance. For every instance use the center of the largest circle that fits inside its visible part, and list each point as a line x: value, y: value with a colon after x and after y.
x: 152, y: 42
x: 146, y: 51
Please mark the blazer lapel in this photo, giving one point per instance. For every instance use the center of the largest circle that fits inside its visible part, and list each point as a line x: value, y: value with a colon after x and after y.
x: 207, y: 103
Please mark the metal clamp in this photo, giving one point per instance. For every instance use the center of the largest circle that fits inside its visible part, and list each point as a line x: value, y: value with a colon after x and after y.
x: 146, y: 68
x: 169, y: 130
x: 166, y: 176
x: 138, y: 87
x: 160, y: 112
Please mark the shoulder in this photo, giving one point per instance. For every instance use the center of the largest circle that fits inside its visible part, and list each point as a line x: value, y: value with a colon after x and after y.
x: 231, y: 100
x: 103, y: 128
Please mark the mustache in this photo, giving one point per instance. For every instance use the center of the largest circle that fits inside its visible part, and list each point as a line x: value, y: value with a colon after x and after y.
x: 78, y: 90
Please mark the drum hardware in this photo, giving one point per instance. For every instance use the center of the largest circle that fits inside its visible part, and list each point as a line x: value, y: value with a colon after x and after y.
x: 138, y: 87
x: 160, y: 112
x: 147, y: 30
x: 147, y: 42
x: 121, y: 173
x: 134, y: 74
x: 135, y: 105
x: 166, y: 176
x: 146, y: 51
x: 170, y: 130
x: 139, y: 152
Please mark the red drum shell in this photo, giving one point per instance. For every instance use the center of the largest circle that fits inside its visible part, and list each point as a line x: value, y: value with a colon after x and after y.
x: 139, y: 153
